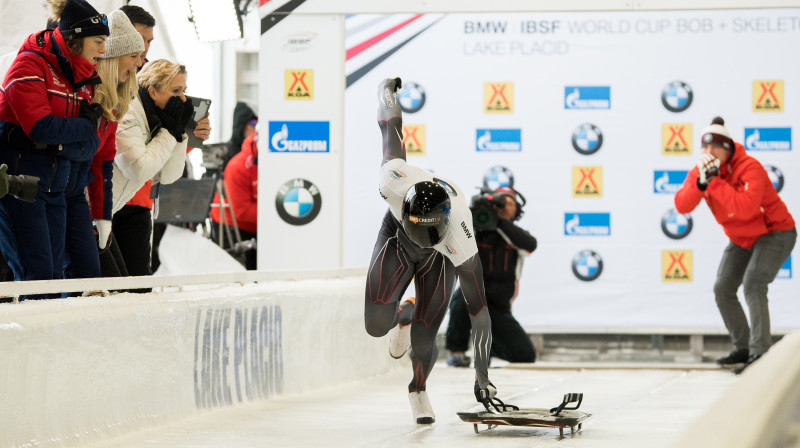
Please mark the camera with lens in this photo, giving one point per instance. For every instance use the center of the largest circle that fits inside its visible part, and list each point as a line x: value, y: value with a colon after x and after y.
x: 214, y: 157
x: 21, y: 187
x: 484, y: 209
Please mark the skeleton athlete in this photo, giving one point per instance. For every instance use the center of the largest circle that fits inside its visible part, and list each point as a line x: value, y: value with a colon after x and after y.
x: 427, y: 235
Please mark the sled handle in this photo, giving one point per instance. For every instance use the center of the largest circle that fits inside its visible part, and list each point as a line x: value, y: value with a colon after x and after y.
x: 568, y: 398
x: 502, y: 408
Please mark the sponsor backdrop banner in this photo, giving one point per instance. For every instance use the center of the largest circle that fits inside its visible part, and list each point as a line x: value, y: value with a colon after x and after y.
x: 594, y: 117
x: 300, y: 132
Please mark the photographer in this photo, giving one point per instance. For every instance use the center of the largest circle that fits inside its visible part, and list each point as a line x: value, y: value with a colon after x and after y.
x: 501, y: 246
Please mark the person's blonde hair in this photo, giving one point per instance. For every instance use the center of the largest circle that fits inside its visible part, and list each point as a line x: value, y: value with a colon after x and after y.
x: 159, y: 74
x: 115, y: 97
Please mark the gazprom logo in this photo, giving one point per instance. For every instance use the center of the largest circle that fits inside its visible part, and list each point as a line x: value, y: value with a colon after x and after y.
x: 786, y: 270
x: 498, y: 140
x: 768, y: 139
x: 576, y: 97
x: 668, y: 182
x: 587, y: 224
x: 299, y: 136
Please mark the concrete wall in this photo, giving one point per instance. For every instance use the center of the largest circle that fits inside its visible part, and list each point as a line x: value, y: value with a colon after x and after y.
x: 77, y: 370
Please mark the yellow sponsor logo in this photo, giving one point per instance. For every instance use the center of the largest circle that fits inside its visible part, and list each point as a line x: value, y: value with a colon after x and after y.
x: 676, y: 265
x: 414, y: 139
x: 299, y: 84
x: 676, y: 139
x: 587, y: 181
x: 498, y: 97
x: 767, y: 96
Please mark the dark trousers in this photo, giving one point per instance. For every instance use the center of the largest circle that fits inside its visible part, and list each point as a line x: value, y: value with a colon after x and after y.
x: 509, y: 339
x: 132, y: 227
x: 32, y: 237
x: 111, y: 262
x: 754, y: 269
x: 81, y: 259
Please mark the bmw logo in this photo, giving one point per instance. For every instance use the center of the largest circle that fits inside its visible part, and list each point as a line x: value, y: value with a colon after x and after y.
x: 587, y: 139
x: 411, y: 97
x: 298, y: 202
x: 677, y: 96
x: 587, y: 265
x: 498, y: 176
x: 775, y: 176
x: 676, y: 225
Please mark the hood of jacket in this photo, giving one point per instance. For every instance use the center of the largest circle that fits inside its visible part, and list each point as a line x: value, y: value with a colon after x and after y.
x: 50, y: 44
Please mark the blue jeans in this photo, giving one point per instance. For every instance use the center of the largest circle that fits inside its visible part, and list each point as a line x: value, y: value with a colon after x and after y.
x: 754, y: 269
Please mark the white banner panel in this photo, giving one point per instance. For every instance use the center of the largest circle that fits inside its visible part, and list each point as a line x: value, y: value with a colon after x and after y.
x: 300, y: 133
x: 595, y: 118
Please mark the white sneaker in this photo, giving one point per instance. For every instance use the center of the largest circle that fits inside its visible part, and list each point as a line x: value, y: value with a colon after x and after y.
x: 399, y: 340
x: 421, y: 408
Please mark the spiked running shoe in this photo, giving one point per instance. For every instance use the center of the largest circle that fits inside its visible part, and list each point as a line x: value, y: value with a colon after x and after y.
x: 399, y: 340
x: 400, y: 336
x: 421, y: 408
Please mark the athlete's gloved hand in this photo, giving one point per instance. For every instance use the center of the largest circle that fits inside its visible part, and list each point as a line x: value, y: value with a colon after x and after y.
x: 707, y: 169
x: 92, y: 112
x: 486, y: 394
x: 388, y: 107
x: 103, y: 227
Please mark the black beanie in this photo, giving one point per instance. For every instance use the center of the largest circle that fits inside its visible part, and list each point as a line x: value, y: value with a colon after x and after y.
x: 80, y: 19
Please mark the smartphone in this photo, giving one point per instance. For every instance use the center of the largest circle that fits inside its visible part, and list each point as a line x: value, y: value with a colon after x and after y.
x: 201, y: 107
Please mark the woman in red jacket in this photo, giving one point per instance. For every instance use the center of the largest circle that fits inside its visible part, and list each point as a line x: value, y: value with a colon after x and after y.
x: 117, y: 68
x: 762, y: 234
x: 47, y: 126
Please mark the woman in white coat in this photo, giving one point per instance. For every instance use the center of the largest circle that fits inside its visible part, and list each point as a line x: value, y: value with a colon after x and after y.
x: 151, y: 143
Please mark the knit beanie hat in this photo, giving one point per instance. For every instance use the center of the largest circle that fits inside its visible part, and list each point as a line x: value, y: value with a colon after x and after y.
x: 78, y: 18
x: 124, y: 38
x: 716, y: 134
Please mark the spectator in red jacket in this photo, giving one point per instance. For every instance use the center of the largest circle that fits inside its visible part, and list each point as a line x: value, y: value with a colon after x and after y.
x: 47, y: 126
x: 117, y: 68
x: 241, y: 181
x: 762, y: 234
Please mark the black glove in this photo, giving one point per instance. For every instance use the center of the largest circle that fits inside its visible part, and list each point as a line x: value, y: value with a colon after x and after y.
x: 485, y: 395
x: 188, y: 113
x: 174, y: 116
x: 92, y: 112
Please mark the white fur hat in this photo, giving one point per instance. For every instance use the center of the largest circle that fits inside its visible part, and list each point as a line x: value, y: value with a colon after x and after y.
x: 124, y: 39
